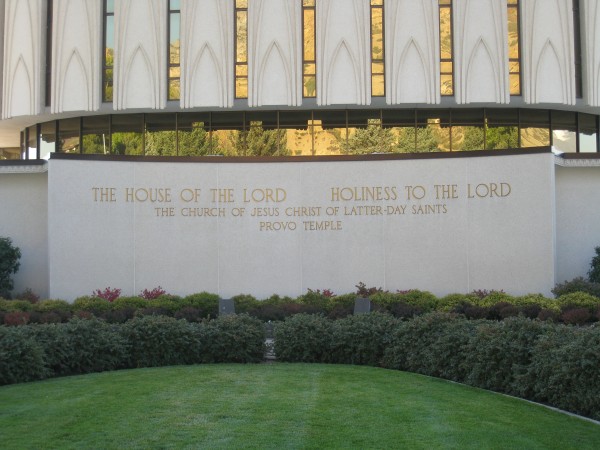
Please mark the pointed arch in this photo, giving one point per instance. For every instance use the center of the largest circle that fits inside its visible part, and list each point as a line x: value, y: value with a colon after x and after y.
x: 481, y: 52
x: 334, y: 66
x: 411, y: 48
x: 138, y: 77
x: 206, y: 54
x: 75, y: 65
x: 274, y: 54
x: 550, y: 83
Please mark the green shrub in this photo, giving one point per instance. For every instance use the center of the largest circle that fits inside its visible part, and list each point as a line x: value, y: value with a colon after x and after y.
x: 304, y: 338
x: 498, y: 354
x: 594, y: 273
x: 15, y: 305
x: 81, y: 346
x: 129, y: 303
x: 93, y: 305
x: 564, y: 370
x: 433, y: 344
x: 578, y: 300
x: 495, y: 297
x: 9, y: 265
x: 21, y: 357
x: 578, y: 284
x: 206, y: 302
x: 244, y: 304
x: 451, y: 301
x: 156, y: 341
x: 52, y: 306
x: 362, y: 338
x: 536, y: 299
x: 236, y: 338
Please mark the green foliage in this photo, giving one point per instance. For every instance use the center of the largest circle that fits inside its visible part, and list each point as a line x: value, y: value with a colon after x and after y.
x: 15, y: 305
x: 594, y: 273
x: 564, y: 370
x: 94, y: 305
x: 245, y: 303
x: 499, y: 354
x: 21, y: 357
x: 160, y: 341
x: 205, y: 302
x: 9, y: 265
x: 371, y: 139
x: 234, y: 338
x: 256, y: 141
x: 361, y: 339
x: 52, y: 305
x: 81, y: 346
x: 432, y: 344
x: 304, y: 338
x: 451, y: 301
x: 578, y: 300
x: 129, y: 302
x: 578, y: 284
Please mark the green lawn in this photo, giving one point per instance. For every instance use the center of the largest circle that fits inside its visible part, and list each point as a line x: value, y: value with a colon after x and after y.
x: 276, y: 406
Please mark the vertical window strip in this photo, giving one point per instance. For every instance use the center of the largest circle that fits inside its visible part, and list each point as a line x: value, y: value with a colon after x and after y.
x: 173, y: 36
x: 241, y: 48
x: 514, y: 47
x: 446, y: 48
x: 107, y: 59
x: 48, y: 92
x: 377, y: 50
x: 577, y: 39
x: 309, y: 65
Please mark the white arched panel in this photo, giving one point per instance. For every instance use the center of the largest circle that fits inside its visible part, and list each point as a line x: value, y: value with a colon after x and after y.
x: 548, y: 51
x: 412, y: 51
x: 590, y: 23
x: 22, y: 87
x: 76, y: 55
x: 206, y: 53
x: 343, y: 52
x: 274, y: 52
x: 140, y: 59
x: 480, y: 51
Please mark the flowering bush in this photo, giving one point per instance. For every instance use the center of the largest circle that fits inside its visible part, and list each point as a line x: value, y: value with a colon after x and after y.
x: 107, y: 294
x: 152, y: 294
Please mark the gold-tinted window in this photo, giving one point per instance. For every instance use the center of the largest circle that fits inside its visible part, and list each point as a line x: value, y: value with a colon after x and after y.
x: 241, y: 48
x: 446, y: 53
x: 174, y: 69
x: 514, y: 57
x: 377, y: 49
x: 309, y: 66
x: 109, y: 45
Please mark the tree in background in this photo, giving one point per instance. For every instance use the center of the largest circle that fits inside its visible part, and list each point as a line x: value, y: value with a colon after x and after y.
x: 257, y: 141
x: 372, y: 139
x: 594, y: 273
x: 9, y: 264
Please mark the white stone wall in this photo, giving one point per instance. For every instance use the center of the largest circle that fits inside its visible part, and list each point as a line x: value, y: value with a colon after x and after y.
x: 76, y: 55
x: 24, y: 56
x: 590, y: 40
x: 24, y: 219
x: 481, y: 51
x: 483, y: 227
x: 577, y: 220
x: 140, y: 58
x: 547, y: 44
x: 412, y: 53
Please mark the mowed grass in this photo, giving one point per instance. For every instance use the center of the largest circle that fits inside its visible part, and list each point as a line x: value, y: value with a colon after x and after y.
x: 276, y: 406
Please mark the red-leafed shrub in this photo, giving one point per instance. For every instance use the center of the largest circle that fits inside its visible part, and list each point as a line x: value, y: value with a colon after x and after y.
x: 108, y: 294
x: 15, y: 318
x: 153, y: 293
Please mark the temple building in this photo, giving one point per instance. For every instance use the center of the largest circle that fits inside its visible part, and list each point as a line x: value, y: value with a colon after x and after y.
x: 272, y: 146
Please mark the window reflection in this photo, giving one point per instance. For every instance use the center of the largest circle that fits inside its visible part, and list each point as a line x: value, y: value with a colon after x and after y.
x: 47, y: 139
x: 174, y: 47
x: 446, y: 69
x: 108, y: 54
x: 377, y: 49
x: 95, y: 133
x: 514, y: 58
x: 127, y: 134
x: 309, y: 66
x: 241, y: 49
x: 317, y: 132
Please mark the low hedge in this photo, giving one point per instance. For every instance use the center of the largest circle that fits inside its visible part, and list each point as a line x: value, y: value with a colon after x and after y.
x: 34, y: 352
x: 575, y: 308
x: 542, y: 361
